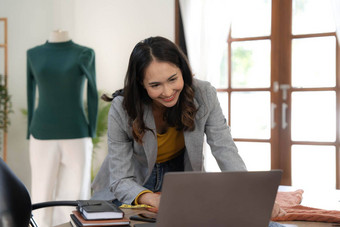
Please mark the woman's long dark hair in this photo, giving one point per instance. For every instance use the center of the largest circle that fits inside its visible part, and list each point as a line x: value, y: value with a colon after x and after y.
x: 181, y: 115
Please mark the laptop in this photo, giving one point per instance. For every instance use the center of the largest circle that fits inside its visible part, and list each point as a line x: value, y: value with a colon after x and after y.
x: 236, y: 199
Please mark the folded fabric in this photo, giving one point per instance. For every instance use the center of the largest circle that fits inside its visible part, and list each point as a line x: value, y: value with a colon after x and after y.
x: 290, y: 202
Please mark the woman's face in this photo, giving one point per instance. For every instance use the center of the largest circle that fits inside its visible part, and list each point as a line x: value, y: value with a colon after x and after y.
x: 163, y: 82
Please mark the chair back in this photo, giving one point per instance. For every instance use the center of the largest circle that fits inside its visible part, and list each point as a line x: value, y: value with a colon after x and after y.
x: 15, y: 201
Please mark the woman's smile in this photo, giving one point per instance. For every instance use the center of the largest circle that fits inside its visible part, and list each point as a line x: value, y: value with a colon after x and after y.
x: 170, y: 98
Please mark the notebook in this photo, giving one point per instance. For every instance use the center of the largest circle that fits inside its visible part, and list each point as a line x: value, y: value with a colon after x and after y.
x: 236, y: 199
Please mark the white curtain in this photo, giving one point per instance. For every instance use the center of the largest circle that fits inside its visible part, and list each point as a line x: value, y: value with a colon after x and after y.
x: 336, y: 13
x: 206, y: 26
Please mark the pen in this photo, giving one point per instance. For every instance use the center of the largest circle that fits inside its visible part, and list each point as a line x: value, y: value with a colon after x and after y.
x: 135, y: 206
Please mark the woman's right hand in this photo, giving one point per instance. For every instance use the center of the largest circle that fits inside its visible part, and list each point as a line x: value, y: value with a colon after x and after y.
x: 150, y: 198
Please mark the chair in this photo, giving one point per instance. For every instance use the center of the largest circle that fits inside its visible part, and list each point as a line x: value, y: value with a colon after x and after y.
x: 15, y: 201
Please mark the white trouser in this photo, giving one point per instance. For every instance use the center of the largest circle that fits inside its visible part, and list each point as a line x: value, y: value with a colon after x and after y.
x: 61, y: 170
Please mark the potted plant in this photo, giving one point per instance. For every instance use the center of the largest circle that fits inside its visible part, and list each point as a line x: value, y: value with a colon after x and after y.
x: 5, y: 105
x: 5, y: 109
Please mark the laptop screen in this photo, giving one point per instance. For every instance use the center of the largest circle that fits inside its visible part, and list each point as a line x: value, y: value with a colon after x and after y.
x: 218, y: 199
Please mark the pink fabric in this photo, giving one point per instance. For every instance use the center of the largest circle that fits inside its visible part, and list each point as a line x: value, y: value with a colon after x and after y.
x: 290, y: 202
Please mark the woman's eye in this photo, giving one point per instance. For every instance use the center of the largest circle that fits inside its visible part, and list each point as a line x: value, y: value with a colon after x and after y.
x: 173, y: 79
x: 154, y: 85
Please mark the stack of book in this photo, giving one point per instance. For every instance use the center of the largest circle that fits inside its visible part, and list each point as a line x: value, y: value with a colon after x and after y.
x: 98, y: 213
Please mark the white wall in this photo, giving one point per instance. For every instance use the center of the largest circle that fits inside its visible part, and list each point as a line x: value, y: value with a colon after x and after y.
x: 118, y: 26
x: 110, y: 27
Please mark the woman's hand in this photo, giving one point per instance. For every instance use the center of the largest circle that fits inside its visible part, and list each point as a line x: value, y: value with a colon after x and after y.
x: 150, y: 198
x: 277, y: 211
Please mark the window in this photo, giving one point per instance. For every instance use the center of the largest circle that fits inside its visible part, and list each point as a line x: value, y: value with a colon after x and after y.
x: 279, y: 88
x: 283, y: 94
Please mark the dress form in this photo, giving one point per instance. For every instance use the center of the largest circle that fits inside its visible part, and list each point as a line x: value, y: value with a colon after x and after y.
x: 60, y: 62
x: 59, y: 36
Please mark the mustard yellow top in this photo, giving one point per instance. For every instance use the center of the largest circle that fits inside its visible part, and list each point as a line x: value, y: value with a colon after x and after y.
x: 169, y: 144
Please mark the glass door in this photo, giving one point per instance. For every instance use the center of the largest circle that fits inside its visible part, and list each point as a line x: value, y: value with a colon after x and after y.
x: 279, y: 88
x: 313, y: 95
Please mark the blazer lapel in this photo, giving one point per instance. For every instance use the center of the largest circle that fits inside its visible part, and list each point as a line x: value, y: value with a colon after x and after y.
x: 194, y: 142
x: 150, y: 139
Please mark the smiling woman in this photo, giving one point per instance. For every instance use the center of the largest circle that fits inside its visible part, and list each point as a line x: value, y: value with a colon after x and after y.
x: 158, y: 126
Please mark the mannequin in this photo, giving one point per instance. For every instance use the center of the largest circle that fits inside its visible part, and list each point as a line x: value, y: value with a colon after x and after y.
x: 58, y: 36
x: 59, y: 131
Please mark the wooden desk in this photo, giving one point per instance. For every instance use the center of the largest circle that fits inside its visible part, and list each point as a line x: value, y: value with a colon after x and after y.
x: 130, y: 212
x: 323, y: 200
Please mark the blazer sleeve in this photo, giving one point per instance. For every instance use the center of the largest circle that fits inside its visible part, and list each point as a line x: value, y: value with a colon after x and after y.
x: 31, y: 89
x: 123, y: 182
x: 87, y: 65
x: 219, y: 137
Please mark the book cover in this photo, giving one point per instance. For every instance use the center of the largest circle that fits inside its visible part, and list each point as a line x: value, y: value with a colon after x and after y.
x: 99, y: 209
x: 74, y: 221
x: 80, y: 221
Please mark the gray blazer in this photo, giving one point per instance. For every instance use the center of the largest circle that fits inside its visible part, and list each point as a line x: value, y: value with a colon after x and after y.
x: 129, y: 164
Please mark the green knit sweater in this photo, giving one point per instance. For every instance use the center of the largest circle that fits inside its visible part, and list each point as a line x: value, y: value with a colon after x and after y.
x: 59, y: 71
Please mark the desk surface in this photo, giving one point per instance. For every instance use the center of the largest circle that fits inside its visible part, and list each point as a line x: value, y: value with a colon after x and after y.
x: 130, y: 212
x: 318, y: 199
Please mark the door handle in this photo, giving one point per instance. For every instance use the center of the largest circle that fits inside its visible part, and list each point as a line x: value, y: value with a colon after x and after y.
x: 284, y: 116
x: 273, y: 107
